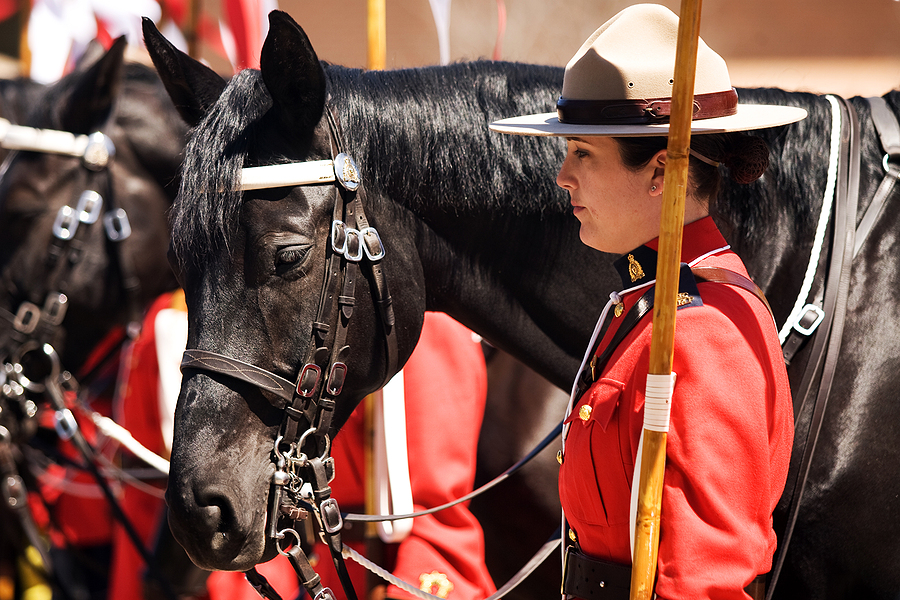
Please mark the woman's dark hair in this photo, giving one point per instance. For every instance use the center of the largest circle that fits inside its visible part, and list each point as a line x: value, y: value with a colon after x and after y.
x: 746, y: 158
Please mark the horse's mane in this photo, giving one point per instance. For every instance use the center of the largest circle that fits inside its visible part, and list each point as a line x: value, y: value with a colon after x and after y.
x: 435, y: 120
x: 421, y: 137
x: 432, y: 122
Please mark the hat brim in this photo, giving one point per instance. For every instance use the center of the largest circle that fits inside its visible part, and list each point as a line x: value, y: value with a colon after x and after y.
x: 747, y: 118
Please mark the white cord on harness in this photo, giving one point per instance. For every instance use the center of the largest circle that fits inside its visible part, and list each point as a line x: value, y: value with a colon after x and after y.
x: 824, y: 217
x: 111, y: 429
x: 539, y: 558
x: 614, y: 298
x: 352, y: 554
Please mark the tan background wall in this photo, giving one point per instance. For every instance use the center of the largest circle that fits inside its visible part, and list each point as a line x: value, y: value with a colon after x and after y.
x: 849, y: 47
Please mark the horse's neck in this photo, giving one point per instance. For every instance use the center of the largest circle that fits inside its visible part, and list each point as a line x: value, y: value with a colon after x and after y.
x: 498, y: 246
x: 526, y: 284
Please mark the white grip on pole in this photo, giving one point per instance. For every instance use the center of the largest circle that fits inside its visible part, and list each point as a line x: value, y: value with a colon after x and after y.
x: 658, y: 402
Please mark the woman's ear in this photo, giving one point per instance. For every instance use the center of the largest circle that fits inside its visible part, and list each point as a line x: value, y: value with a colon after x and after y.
x: 658, y: 165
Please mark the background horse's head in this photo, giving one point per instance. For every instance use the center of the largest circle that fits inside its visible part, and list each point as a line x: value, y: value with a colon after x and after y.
x: 48, y: 247
x: 253, y: 265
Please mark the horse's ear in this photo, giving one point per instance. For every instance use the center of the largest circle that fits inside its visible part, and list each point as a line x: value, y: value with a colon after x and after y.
x: 89, y: 101
x: 293, y: 75
x: 92, y: 53
x: 193, y: 86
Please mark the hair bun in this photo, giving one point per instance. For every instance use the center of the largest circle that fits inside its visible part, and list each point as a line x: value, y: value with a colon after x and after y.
x: 747, y: 159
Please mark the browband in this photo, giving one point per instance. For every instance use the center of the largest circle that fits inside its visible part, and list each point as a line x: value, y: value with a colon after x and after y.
x: 289, y: 174
x: 652, y: 110
x: 342, y: 169
x: 95, y: 150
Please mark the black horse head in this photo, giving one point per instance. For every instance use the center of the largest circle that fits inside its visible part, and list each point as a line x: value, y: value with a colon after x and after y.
x: 65, y: 218
x: 255, y: 266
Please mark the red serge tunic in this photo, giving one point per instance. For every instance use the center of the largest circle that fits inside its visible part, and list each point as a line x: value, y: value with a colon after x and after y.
x: 729, y: 440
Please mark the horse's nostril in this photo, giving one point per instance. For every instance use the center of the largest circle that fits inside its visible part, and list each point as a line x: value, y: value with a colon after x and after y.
x: 216, y: 510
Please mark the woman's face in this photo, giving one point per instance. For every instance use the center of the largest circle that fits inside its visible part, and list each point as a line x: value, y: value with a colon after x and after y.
x: 618, y: 208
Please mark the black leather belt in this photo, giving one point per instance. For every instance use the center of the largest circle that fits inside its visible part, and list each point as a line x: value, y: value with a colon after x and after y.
x: 591, y: 579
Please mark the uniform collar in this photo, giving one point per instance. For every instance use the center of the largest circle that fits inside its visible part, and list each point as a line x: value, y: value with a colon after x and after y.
x: 639, y: 266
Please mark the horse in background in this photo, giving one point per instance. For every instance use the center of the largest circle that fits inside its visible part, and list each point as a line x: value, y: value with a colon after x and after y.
x: 473, y: 226
x: 82, y: 271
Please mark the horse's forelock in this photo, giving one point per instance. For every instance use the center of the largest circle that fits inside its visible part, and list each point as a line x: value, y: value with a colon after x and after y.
x: 206, y: 211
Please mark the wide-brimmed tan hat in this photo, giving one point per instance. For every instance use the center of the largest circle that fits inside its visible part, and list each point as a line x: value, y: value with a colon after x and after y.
x: 619, y: 83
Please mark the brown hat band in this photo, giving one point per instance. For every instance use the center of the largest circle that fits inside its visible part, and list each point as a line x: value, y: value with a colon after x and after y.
x: 631, y: 112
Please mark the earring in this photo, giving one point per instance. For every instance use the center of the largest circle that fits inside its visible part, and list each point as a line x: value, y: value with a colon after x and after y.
x: 653, y: 189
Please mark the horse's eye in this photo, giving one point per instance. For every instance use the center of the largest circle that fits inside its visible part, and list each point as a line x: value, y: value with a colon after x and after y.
x: 289, y: 257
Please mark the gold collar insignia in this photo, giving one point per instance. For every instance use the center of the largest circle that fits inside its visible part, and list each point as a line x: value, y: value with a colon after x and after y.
x: 635, y: 271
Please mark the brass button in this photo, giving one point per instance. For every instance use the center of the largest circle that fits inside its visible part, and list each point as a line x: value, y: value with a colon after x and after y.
x: 620, y: 308
x: 559, y: 457
x: 572, y: 535
x: 584, y: 413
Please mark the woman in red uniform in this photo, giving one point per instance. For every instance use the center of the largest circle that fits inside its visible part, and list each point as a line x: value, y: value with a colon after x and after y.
x: 731, y: 427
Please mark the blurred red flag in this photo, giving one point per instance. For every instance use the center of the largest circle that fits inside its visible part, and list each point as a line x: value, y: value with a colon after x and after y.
x: 246, y: 20
x: 7, y: 9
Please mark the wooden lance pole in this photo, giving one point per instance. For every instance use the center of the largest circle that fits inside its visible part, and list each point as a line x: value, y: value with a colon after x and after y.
x: 662, y: 344
x: 377, y: 34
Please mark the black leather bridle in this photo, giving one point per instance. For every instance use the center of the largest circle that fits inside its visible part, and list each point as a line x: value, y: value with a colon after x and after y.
x: 29, y: 336
x: 301, y: 453
x: 31, y: 327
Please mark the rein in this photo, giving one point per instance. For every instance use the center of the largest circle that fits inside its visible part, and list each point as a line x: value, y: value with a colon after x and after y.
x: 304, y: 467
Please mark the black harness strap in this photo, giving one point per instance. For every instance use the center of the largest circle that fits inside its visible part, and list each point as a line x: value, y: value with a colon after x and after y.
x: 889, y: 133
x: 827, y: 345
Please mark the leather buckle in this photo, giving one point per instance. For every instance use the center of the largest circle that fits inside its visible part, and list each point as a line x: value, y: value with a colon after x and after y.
x: 331, y: 516
x: 810, y: 320
x: 336, y: 378
x: 66, y: 223
x: 55, y: 307
x: 308, y: 380
x: 117, y: 225
x: 372, y: 244
x: 27, y: 318
x: 90, y: 203
x: 346, y: 241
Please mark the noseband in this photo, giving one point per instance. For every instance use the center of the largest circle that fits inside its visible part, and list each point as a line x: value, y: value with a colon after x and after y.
x: 304, y: 467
